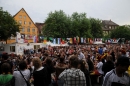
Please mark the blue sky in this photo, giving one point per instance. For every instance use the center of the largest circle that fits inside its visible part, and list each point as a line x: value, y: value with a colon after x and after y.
x: 116, y: 10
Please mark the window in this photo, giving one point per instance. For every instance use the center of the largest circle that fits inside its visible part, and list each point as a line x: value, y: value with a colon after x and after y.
x: 109, y: 27
x: 12, y: 48
x: 24, y: 17
x: 20, y: 17
x: 29, y: 23
x: 1, y: 48
x: 36, y: 46
x: 23, y: 30
x: 20, y: 22
x: 28, y: 36
x: 24, y: 22
x: 33, y: 30
x: 28, y: 30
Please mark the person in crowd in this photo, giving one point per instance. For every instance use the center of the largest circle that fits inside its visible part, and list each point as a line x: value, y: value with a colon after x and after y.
x: 81, y: 55
x: 60, y: 67
x: 118, y: 76
x: 19, y: 80
x: 90, y: 63
x: 100, y: 50
x: 73, y: 76
x: 5, y: 59
x: 6, y: 78
x: 39, y: 73
x: 113, y: 55
x: 50, y: 69
x: 99, y: 66
x: 108, y: 65
x: 82, y: 67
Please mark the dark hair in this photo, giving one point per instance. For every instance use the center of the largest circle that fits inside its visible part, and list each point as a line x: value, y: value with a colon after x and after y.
x: 49, y: 61
x: 82, y: 65
x: 74, y: 61
x: 61, y: 59
x: 124, y: 61
x: 5, y: 56
x: 5, y: 67
x: 22, y: 65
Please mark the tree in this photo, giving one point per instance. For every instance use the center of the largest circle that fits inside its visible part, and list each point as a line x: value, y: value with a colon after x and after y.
x: 80, y: 25
x: 56, y: 25
x: 96, y: 28
x: 121, y: 32
x: 8, y: 26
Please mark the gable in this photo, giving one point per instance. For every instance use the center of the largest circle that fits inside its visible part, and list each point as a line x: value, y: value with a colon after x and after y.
x: 24, y: 19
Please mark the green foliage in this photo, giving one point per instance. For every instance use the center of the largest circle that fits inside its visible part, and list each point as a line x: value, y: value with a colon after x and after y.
x: 8, y: 26
x: 96, y: 28
x: 58, y: 24
x: 80, y: 25
x: 120, y: 32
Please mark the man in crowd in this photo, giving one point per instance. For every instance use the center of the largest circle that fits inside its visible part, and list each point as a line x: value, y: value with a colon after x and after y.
x: 118, y: 76
x: 73, y: 76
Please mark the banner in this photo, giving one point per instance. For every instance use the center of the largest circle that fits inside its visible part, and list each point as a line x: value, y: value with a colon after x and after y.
x: 58, y: 40
x: 82, y: 41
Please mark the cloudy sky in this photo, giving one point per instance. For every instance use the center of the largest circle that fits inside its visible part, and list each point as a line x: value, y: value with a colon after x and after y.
x: 116, y: 10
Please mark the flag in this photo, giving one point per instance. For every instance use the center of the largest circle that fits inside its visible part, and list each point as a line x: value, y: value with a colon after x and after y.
x: 74, y: 40
x: 45, y: 40
x: 71, y: 40
x: 84, y: 40
x: 58, y: 39
x: 54, y: 40
x: 34, y: 39
x: 63, y: 41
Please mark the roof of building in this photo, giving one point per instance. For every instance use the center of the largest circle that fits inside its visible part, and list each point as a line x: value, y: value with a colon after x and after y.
x: 109, y: 22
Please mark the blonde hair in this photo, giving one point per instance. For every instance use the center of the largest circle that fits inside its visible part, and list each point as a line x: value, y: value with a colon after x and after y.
x: 36, y: 62
x: 109, y: 58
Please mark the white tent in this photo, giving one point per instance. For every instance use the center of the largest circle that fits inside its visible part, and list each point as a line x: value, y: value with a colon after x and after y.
x: 51, y: 44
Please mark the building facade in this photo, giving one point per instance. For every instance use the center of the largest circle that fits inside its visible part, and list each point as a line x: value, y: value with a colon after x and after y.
x: 28, y: 30
x: 108, y: 26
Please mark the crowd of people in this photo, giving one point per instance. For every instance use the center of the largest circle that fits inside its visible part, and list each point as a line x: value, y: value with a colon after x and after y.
x: 74, y: 65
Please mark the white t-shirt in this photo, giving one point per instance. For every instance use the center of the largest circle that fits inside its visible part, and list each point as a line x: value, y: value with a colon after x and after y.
x: 112, y: 77
x: 99, y: 67
x: 19, y: 80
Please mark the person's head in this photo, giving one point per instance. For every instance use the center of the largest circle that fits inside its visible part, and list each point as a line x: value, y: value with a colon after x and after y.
x: 49, y: 61
x: 5, y: 56
x: 22, y: 65
x: 61, y: 59
x: 5, y: 67
x: 36, y: 62
x: 122, y: 64
x: 81, y: 65
x: 109, y: 58
x: 73, y: 61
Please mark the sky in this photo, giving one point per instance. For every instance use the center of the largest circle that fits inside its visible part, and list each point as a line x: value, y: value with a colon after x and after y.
x: 117, y: 11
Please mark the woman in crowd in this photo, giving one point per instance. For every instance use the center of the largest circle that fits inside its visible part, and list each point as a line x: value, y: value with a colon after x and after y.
x: 19, y: 80
x: 48, y: 64
x: 6, y: 78
x: 40, y: 73
x: 82, y: 67
x: 108, y: 65
x: 60, y: 67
